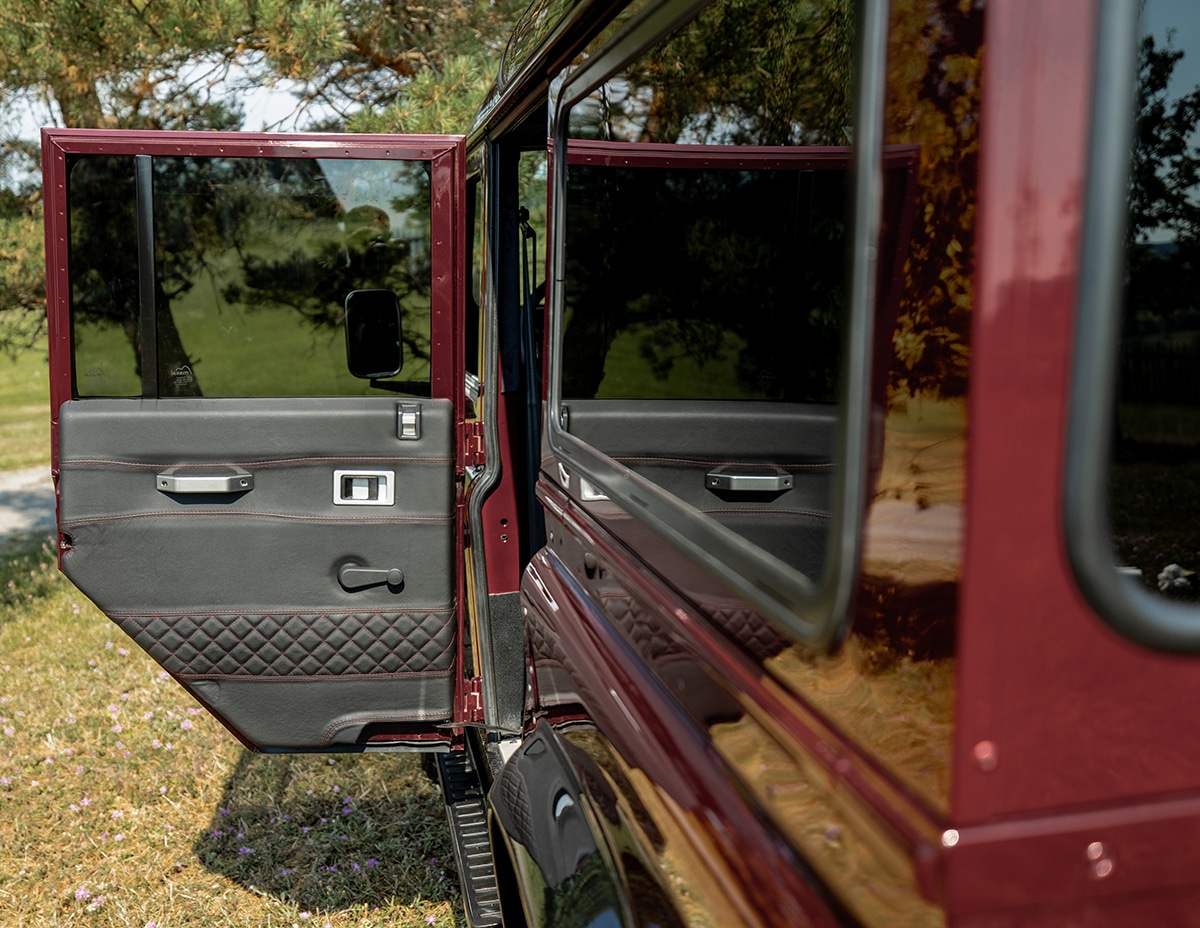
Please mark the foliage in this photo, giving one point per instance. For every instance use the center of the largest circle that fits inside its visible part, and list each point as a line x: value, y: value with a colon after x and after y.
x: 168, y: 64
x: 434, y: 102
x: 122, y: 64
x: 22, y: 276
x: 935, y: 55
x: 177, y: 64
x: 22, y: 263
x: 362, y: 56
x: 746, y: 72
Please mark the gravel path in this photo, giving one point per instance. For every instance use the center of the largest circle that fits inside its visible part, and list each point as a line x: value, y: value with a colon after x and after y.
x: 26, y: 501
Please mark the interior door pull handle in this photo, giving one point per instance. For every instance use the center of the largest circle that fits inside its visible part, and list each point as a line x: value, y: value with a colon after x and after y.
x: 353, y: 577
x: 731, y: 481
x: 238, y: 482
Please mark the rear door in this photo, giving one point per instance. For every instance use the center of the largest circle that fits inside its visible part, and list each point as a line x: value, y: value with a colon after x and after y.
x: 278, y: 534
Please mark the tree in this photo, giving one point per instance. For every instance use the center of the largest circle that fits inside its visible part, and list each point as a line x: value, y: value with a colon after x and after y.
x: 22, y: 267
x: 360, y: 65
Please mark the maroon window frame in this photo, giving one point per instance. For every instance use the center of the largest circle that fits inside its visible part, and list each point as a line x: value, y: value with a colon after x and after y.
x: 446, y: 155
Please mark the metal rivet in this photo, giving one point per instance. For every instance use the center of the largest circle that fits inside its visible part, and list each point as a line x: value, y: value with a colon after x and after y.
x: 985, y: 756
x: 1095, y: 850
x: 1102, y: 868
x: 950, y: 837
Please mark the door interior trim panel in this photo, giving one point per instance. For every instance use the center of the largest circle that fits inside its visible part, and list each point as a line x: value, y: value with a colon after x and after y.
x: 240, y: 595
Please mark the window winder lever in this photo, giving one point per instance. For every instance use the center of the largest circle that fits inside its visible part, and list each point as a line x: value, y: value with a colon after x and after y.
x: 356, y: 577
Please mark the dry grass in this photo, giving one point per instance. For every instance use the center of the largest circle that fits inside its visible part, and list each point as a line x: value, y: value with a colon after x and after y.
x: 124, y: 804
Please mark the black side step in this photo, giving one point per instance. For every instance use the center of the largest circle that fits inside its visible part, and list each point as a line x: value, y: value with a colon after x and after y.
x: 467, y: 815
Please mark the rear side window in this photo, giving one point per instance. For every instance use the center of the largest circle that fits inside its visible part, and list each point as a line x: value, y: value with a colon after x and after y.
x: 252, y: 260
x: 704, y: 282
x: 1154, y: 488
x: 1133, y: 506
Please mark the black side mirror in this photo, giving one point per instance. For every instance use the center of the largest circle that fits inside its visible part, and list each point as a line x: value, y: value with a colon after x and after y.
x: 373, y: 345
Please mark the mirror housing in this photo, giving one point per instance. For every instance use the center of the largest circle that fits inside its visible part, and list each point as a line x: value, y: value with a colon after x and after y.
x: 373, y: 345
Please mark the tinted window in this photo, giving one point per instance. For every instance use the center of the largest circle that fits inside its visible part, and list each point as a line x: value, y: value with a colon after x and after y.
x: 1154, y: 486
x: 104, y: 277
x: 253, y: 260
x: 723, y: 284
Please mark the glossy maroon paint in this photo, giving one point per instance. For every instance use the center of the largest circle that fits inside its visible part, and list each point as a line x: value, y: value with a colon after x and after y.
x: 1080, y: 720
x: 1076, y: 782
x: 646, y: 726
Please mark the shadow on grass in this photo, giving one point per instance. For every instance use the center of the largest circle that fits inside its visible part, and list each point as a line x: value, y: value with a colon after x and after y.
x: 296, y: 828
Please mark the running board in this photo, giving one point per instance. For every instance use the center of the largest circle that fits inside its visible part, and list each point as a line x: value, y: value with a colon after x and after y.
x: 467, y: 815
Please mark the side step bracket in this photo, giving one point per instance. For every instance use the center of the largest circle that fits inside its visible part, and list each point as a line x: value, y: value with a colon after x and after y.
x: 467, y: 815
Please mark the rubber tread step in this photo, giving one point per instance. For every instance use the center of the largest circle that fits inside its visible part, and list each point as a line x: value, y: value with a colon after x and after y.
x: 465, y: 810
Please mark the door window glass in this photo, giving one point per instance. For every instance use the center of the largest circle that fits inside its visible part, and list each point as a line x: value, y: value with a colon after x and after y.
x: 253, y: 260
x: 1154, y: 480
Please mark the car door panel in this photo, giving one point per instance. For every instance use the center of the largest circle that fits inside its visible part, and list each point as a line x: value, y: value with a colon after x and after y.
x: 277, y: 534
x: 261, y: 629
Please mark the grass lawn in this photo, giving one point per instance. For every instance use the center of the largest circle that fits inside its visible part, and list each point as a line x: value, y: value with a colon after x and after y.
x: 24, y: 410
x: 123, y: 803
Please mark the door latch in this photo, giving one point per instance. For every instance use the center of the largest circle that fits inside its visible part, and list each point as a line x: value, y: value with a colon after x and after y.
x: 364, y: 487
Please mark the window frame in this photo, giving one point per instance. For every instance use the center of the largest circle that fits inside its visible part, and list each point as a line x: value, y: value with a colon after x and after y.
x: 813, y: 612
x: 1120, y: 601
x: 443, y: 153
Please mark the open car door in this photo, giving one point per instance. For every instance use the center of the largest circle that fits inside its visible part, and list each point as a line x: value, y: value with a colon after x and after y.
x: 278, y: 534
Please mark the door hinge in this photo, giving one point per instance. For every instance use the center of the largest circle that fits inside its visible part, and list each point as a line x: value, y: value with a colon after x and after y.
x: 473, y: 694
x: 473, y: 455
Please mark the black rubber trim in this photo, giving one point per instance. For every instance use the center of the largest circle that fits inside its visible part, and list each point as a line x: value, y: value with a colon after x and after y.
x: 147, y: 317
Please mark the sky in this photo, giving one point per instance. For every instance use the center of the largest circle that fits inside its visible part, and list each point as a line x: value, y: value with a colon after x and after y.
x: 263, y: 106
x: 1183, y: 17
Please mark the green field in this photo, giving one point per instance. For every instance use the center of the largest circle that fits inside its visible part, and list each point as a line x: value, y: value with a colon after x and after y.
x: 123, y: 804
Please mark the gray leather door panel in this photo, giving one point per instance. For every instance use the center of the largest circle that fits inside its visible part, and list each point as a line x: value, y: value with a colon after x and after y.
x: 238, y: 594
x: 677, y: 443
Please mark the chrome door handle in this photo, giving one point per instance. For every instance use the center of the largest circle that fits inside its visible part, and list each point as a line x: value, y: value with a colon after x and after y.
x: 355, y: 577
x: 733, y: 481
x: 239, y: 481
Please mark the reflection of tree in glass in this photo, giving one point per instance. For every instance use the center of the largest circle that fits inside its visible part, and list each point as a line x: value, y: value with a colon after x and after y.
x: 717, y: 265
x: 746, y: 72
x: 104, y: 263
x: 1154, y: 504
x: 257, y: 233
x: 1164, y: 174
x: 935, y: 64
x: 704, y: 263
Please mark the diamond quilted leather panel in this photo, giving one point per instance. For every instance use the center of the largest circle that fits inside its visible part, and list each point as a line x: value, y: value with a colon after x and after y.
x: 296, y: 644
